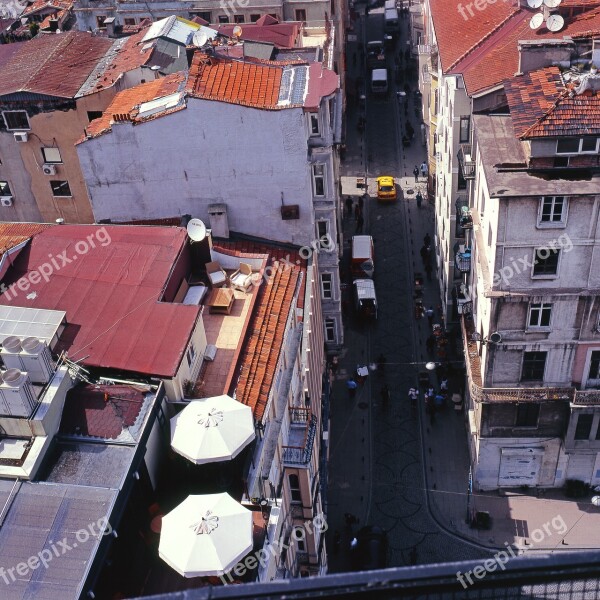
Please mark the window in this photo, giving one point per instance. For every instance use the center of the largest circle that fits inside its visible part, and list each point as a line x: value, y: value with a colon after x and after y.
x: 205, y: 16
x: 295, y: 488
x: 552, y: 209
x: 577, y: 146
x: 300, y: 15
x: 223, y: 19
x: 319, y: 179
x: 254, y: 18
x: 329, y: 329
x: 560, y: 162
x: 93, y: 114
x: 60, y: 188
x: 583, y: 427
x: 51, y: 155
x: 534, y: 364
x: 465, y: 129
x: 326, y: 286
x: 527, y: 415
x: 100, y: 24
x: 5, y: 189
x: 16, y: 120
x: 129, y: 22
x: 545, y: 261
x: 539, y: 315
x: 594, y: 362
x: 314, y: 125
x: 461, y: 182
x: 238, y: 19
x: 191, y: 353
x: 274, y: 15
x: 323, y: 233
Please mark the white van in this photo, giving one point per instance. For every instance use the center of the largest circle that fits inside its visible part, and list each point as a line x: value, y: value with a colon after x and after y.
x: 392, y: 21
x: 390, y: 4
x: 365, y: 299
x: 379, y: 81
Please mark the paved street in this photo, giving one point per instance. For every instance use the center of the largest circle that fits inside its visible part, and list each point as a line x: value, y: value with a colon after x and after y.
x: 377, y: 471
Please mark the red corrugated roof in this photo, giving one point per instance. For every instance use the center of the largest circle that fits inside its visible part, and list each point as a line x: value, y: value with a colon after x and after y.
x: 282, y: 35
x: 53, y: 65
x: 110, y: 295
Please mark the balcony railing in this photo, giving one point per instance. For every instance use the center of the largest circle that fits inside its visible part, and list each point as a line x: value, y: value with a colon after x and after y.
x: 462, y: 259
x: 462, y: 205
x: 300, y: 452
x: 466, y: 162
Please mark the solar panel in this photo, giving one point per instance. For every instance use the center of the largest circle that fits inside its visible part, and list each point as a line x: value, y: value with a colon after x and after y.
x: 285, y: 86
x: 299, y: 85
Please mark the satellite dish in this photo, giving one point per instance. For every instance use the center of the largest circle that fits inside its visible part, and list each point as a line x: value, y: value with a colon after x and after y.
x: 552, y: 3
x: 596, y: 500
x: 536, y: 21
x: 237, y: 31
x: 196, y: 229
x: 534, y: 3
x: 201, y: 37
x: 555, y: 23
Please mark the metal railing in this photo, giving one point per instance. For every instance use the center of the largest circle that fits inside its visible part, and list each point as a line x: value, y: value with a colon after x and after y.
x: 300, y: 455
x: 465, y: 160
x: 462, y: 261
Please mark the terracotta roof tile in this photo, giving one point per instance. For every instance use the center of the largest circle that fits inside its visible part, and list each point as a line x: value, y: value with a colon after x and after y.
x: 265, y: 334
x: 12, y: 234
x: 124, y: 104
x: 541, y: 106
x: 38, y: 5
x: 53, y: 65
x: 497, y: 58
x: 282, y: 35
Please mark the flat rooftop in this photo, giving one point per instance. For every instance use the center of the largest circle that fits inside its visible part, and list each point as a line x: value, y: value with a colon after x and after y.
x: 502, y: 155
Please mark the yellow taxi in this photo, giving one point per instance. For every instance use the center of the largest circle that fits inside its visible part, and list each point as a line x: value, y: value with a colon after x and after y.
x: 386, y: 188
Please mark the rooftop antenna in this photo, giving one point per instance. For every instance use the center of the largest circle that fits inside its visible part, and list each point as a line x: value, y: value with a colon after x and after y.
x: 237, y: 32
x: 196, y: 230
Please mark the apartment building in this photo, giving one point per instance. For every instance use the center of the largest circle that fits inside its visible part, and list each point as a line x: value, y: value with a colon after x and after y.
x: 462, y: 75
x: 51, y: 88
x: 529, y: 293
x: 248, y: 147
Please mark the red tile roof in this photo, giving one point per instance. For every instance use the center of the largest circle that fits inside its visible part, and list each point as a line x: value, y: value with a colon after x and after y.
x: 282, y: 35
x: 111, y: 295
x: 541, y: 106
x: 53, y: 65
x: 457, y: 35
x: 125, y: 104
x: 101, y: 411
x: 497, y: 57
x: 38, y: 5
x: 235, y: 82
x: 265, y: 335
x: 12, y: 234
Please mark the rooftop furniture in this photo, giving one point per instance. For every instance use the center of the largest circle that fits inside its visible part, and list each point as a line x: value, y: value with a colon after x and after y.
x: 242, y: 278
x: 220, y: 301
x: 216, y: 274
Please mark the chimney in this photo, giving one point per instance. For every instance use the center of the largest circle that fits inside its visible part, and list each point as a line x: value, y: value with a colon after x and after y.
x: 110, y: 26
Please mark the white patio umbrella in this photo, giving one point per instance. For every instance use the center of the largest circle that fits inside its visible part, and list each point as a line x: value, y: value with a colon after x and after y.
x: 212, y: 429
x: 206, y: 535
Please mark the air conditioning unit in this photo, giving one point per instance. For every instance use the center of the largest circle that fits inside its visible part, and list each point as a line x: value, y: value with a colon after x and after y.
x: 49, y: 169
x: 21, y: 136
x: 6, y: 200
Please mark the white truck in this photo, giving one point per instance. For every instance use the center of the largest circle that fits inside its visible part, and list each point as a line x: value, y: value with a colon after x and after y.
x: 379, y: 81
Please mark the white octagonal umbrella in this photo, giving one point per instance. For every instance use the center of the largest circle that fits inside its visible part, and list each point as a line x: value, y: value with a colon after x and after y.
x: 212, y: 429
x: 206, y: 535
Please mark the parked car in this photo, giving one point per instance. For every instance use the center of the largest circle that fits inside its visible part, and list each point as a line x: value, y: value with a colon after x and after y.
x: 375, y: 55
x: 362, y: 256
x: 365, y: 299
x: 386, y: 188
x: 371, y: 551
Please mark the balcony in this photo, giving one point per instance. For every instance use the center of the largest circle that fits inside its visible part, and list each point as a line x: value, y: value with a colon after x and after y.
x: 464, y: 219
x: 303, y: 429
x: 464, y: 305
x: 466, y: 162
x: 462, y: 207
x: 462, y: 260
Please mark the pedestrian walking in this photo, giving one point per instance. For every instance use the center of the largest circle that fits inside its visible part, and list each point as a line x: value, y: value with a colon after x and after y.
x: 410, y: 132
x: 416, y: 173
x: 428, y: 270
x: 424, y: 169
x: 419, y: 199
x: 413, y: 395
x: 444, y: 385
x: 361, y: 202
x: 430, y: 343
x: 359, y: 224
x: 357, y: 211
x: 385, y: 395
x: 349, y: 204
x: 354, y: 541
x: 427, y: 240
x: 351, y: 385
x: 425, y: 253
x: 430, y: 313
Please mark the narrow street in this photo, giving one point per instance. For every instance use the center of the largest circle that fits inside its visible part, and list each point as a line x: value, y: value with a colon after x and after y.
x: 377, y: 470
